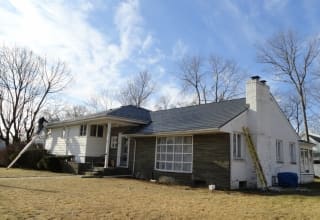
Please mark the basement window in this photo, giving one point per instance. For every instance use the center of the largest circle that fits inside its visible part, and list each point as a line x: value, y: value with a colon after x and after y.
x: 174, y: 154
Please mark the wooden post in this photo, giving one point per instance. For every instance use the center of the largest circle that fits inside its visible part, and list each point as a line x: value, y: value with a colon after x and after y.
x: 22, y: 151
x: 106, y: 159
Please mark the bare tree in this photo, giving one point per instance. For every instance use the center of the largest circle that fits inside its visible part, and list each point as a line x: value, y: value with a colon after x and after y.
x: 193, y: 77
x: 26, y: 82
x: 293, y: 62
x: 137, y: 91
x: 291, y: 107
x: 100, y: 101
x: 163, y: 103
x: 58, y: 112
x: 226, y: 75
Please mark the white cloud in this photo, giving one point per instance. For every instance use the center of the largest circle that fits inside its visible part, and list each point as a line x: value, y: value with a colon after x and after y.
x: 60, y: 30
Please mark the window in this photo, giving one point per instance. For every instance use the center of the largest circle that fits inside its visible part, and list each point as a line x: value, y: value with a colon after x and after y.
x: 63, y: 133
x: 306, y: 160
x: 100, y: 131
x: 114, y: 142
x: 93, y: 130
x: 49, y: 133
x: 293, y: 156
x: 174, y: 154
x: 279, y: 151
x: 96, y: 130
x: 83, y: 130
x: 237, y: 146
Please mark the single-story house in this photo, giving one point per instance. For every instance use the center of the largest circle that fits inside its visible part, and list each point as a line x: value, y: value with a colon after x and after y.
x: 307, y: 168
x: 315, y: 139
x: 202, y: 143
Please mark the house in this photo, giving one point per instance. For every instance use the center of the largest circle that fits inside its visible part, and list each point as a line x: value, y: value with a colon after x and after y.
x: 307, y: 171
x: 315, y: 139
x: 203, y: 143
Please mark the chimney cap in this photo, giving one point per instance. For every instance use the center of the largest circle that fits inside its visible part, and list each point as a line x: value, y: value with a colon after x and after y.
x: 255, y: 77
x: 263, y: 81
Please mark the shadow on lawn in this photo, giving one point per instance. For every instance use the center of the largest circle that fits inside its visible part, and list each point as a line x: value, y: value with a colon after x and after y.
x: 311, y: 189
x: 29, y: 189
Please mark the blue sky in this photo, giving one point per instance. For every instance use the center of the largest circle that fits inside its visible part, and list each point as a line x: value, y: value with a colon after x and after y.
x: 107, y: 42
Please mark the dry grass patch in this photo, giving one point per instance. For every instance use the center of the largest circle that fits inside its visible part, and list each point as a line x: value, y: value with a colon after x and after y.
x: 110, y: 198
x: 16, y: 172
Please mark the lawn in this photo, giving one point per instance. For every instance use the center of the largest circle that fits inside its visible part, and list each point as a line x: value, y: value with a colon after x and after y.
x: 110, y: 198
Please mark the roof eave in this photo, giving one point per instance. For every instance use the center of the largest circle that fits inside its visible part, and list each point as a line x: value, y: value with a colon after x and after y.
x: 90, y: 119
x: 182, y: 132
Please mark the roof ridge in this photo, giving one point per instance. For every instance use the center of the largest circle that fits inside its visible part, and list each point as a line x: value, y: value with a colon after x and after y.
x: 136, y: 107
x: 202, y: 104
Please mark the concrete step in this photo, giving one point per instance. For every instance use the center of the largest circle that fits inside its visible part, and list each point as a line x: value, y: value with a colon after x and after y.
x: 98, y: 169
x: 92, y: 173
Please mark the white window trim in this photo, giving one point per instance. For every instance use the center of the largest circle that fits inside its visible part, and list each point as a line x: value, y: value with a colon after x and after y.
x: 242, y: 146
x: 112, y: 142
x: 63, y: 133
x: 96, y: 134
x: 173, y: 171
x: 280, y: 159
x: 306, y: 163
x: 119, y: 150
x: 83, y: 131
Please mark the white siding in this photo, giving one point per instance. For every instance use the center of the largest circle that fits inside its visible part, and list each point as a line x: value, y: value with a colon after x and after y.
x: 70, y: 144
x: 266, y: 123
x: 96, y: 146
x: 240, y: 170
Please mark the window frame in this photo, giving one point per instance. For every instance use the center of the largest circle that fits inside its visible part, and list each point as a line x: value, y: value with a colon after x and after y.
x: 63, y: 133
x: 96, y: 130
x: 173, y: 154
x: 293, y: 152
x: 93, y: 134
x: 100, y: 131
x: 83, y: 130
x: 236, y: 148
x: 305, y: 158
x: 114, y: 142
x: 279, y: 149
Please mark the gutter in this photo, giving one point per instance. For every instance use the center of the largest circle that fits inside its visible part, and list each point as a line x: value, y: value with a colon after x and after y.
x: 187, y: 132
x: 82, y: 120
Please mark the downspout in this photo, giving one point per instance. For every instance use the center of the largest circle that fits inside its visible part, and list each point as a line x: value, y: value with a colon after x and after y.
x: 134, y: 156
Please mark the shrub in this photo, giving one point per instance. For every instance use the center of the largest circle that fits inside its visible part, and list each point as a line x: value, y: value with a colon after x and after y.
x: 4, y: 157
x: 53, y: 163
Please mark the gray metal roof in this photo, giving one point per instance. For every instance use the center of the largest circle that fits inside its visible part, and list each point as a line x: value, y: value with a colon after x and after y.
x: 204, y: 116
x: 129, y: 112
x: 314, y: 137
x: 197, y: 117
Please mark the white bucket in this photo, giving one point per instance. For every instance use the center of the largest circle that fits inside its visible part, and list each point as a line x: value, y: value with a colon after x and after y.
x: 212, y: 187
